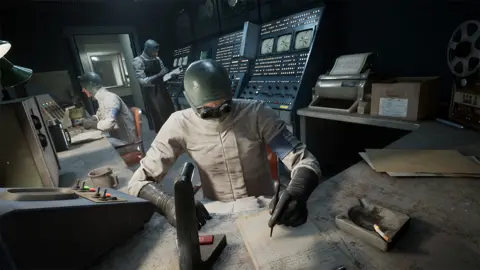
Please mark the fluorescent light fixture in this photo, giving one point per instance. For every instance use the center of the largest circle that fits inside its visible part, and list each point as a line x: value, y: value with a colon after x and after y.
x: 94, y: 58
x: 4, y: 47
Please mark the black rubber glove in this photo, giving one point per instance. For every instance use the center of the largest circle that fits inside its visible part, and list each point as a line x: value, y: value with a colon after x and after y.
x: 158, y: 78
x: 165, y: 205
x: 90, y: 123
x: 291, y: 209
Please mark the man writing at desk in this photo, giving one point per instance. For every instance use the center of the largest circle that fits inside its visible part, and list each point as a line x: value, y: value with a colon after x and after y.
x: 112, y: 116
x: 227, y: 140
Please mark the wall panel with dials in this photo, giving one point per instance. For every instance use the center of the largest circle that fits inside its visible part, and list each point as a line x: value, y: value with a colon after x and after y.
x: 182, y: 57
x: 235, y: 51
x: 280, y: 75
x: 206, y: 23
x: 233, y: 13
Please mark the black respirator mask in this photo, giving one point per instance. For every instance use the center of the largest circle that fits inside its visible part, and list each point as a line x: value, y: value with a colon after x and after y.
x: 215, y: 112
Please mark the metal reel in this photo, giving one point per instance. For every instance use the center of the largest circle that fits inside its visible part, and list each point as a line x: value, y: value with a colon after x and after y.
x: 463, y: 53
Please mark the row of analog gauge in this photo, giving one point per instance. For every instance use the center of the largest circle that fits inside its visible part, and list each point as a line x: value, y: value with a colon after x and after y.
x: 180, y: 61
x: 303, y: 40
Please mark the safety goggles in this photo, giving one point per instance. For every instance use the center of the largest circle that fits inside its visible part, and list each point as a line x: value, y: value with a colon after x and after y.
x: 206, y: 112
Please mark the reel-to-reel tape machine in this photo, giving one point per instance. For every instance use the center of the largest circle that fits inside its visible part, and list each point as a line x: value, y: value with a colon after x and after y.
x: 463, y: 57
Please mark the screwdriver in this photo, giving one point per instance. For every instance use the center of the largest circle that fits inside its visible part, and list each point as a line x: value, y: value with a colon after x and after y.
x: 277, y: 194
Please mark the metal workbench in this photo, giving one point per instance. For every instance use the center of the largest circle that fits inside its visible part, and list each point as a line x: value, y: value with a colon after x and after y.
x: 443, y: 233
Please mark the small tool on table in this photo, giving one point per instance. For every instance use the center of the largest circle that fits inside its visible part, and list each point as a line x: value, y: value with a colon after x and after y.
x: 277, y: 194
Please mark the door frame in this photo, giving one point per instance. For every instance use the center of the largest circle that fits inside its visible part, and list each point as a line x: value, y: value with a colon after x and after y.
x: 70, y: 32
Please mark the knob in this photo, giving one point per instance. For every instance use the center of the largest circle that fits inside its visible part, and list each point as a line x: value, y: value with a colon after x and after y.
x: 97, y: 194
x: 77, y: 185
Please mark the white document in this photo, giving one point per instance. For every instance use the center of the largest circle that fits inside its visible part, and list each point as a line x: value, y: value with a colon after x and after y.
x: 394, y: 107
x: 349, y: 64
x: 168, y: 76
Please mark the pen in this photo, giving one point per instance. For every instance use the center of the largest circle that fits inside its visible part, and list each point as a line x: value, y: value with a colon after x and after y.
x: 277, y: 193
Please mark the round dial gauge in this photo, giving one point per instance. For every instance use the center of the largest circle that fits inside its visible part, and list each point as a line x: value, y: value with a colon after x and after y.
x: 283, y: 43
x: 303, y: 39
x: 209, y: 8
x: 267, y: 46
x: 185, y: 61
x: 232, y: 3
x: 175, y: 62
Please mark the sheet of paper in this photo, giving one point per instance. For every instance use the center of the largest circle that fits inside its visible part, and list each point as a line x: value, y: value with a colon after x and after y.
x: 168, y: 76
x: 399, y: 174
x: 349, y: 64
x: 394, y: 107
x: 302, y: 247
x: 421, y: 161
x: 87, y: 136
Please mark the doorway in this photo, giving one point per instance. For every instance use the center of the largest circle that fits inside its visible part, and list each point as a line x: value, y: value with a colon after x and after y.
x: 111, y: 57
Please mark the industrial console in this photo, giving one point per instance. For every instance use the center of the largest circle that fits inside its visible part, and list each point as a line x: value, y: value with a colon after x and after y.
x: 280, y: 75
x: 181, y: 58
x: 62, y: 228
x: 235, y: 51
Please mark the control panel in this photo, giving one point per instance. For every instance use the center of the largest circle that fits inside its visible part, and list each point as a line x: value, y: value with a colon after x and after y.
x: 235, y: 52
x: 95, y: 195
x: 280, y: 71
x: 181, y: 58
x: 465, y: 106
x: 49, y: 108
x: 228, y: 54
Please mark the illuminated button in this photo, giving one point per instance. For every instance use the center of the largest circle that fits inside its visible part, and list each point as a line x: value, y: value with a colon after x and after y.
x: 86, y: 187
x: 108, y: 195
x: 91, y: 189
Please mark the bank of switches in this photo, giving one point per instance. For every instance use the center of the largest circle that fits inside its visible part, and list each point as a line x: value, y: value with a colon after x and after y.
x: 95, y: 194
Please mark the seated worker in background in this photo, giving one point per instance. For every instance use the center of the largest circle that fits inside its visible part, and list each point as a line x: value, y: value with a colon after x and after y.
x: 112, y: 116
x: 227, y: 140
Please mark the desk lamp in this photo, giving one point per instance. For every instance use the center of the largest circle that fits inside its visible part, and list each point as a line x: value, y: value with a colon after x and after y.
x: 4, y: 47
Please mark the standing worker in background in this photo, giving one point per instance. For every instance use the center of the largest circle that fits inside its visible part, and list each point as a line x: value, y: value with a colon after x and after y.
x: 149, y: 70
x: 112, y: 116
x: 227, y: 139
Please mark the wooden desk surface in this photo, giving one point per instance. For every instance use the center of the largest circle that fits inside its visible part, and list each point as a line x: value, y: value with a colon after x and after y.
x: 443, y: 233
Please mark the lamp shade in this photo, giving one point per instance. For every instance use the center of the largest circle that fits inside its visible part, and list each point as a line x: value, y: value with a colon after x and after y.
x: 13, y: 75
x: 4, y: 47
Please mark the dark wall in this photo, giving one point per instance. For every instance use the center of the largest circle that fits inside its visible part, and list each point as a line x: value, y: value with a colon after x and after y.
x: 410, y: 37
x: 37, y: 37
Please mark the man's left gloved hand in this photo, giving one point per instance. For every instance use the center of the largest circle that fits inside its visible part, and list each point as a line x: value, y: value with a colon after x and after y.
x: 291, y: 209
x: 90, y: 123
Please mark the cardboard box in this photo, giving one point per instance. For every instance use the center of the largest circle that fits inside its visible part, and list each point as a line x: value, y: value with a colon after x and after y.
x: 407, y: 98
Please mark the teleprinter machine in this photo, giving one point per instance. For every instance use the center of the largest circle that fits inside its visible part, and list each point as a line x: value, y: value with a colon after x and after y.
x: 347, y: 87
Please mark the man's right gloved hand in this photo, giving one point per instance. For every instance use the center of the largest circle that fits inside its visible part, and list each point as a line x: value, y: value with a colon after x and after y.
x: 165, y: 205
x: 158, y: 78
x: 90, y: 123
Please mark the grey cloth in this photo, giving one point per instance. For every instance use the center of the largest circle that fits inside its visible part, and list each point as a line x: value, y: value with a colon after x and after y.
x: 159, y: 106
x: 230, y: 153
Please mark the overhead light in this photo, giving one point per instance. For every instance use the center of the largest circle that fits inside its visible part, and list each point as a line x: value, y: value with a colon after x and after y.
x: 94, y: 58
x: 4, y: 47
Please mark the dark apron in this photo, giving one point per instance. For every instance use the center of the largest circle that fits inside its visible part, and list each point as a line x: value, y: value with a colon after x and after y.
x: 158, y: 104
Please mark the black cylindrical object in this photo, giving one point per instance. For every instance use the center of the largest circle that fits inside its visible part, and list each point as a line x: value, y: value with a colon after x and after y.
x: 187, y: 230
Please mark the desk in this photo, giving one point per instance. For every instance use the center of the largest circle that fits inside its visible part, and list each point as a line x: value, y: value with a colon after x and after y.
x: 351, y: 118
x: 443, y: 233
x: 81, y: 159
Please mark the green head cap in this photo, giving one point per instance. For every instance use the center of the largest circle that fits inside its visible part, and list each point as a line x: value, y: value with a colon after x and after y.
x: 206, y: 81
